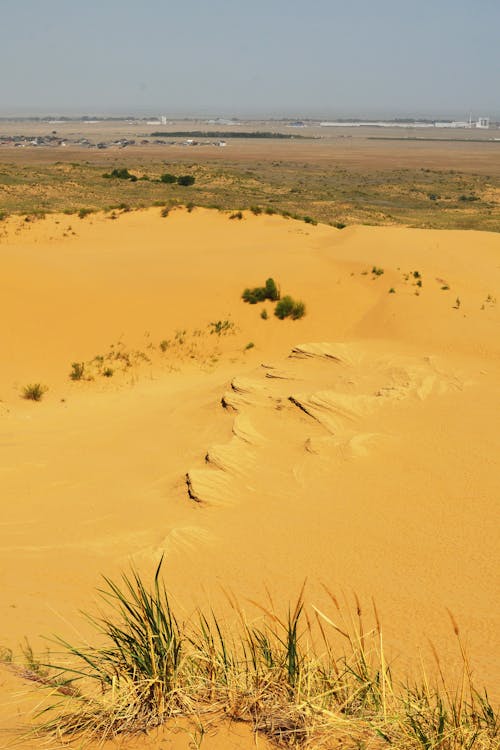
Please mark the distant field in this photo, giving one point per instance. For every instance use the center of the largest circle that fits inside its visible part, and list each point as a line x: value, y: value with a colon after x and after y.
x: 337, y: 178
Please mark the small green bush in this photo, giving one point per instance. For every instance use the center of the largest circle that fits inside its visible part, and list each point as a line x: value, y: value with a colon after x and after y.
x: 252, y: 296
x: 264, y: 314
x: 392, y: 290
x: 250, y: 345
x: 256, y: 210
x: 186, y: 180
x: 120, y: 174
x: 270, y: 211
x: 377, y: 271
x: 83, y: 212
x: 236, y: 215
x: 287, y: 307
x: 77, y: 370
x: 108, y: 372
x: 165, y: 212
x: 260, y: 293
x: 310, y: 220
x: 34, y: 391
x: 168, y: 178
x: 339, y: 225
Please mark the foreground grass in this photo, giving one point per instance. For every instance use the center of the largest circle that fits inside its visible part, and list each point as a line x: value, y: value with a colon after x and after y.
x: 304, y: 679
x: 440, y: 199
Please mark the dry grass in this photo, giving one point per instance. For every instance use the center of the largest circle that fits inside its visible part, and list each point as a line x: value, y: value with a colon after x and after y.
x: 305, y: 679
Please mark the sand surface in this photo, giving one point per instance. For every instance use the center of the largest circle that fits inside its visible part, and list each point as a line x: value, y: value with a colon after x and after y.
x: 357, y: 447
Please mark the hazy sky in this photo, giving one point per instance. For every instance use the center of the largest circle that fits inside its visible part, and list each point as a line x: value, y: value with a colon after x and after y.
x: 322, y: 57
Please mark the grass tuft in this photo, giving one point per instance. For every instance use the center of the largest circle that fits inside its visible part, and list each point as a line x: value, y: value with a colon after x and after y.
x: 303, y: 679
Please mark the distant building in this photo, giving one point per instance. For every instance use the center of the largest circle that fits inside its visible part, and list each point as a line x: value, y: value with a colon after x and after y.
x: 483, y: 122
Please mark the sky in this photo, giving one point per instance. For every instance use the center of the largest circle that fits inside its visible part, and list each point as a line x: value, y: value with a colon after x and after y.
x: 318, y: 58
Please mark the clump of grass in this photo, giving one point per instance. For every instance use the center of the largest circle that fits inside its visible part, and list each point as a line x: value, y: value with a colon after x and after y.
x: 34, y: 391
x: 236, y: 215
x: 310, y: 220
x: 264, y: 314
x: 303, y: 678
x: 77, y: 371
x: 108, y: 372
x: 221, y: 327
x: 392, y: 290
x: 250, y: 345
x: 376, y: 271
x: 290, y: 308
x: 256, y: 210
x: 165, y: 212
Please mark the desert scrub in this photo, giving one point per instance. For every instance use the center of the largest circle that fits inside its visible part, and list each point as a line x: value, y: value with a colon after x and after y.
x: 303, y: 677
x: 221, y: 327
x: 290, y: 308
x: 34, y: 391
x: 77, y: 371
x: 256, y: 294
x: 237, y: 215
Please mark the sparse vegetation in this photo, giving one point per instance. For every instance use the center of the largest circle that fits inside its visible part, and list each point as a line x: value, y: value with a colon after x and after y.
x: 377, y: 271
x: 236, y: 215
x: 120, y: 174
x: 34, y: 391
x: 168, y: 178
x: 304, y: 678
x: 263, y: 314
x: 77, y: 370
x: 287, y: 307
x: 392, y: 290
x: 221, y: 327
x: 83, y: 212
x: 250, y: 345
x: 256, y: 294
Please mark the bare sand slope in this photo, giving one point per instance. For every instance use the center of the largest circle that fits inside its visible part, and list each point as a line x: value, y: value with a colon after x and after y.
x: 356, y: 447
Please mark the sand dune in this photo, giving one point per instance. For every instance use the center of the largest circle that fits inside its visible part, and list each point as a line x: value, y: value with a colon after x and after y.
x: 357, y: 447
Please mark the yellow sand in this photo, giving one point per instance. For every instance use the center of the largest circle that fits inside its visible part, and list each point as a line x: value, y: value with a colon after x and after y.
x: 358, y: 447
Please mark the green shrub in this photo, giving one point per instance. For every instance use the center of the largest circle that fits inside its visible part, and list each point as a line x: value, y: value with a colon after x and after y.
x: 83, y: 212
x: 339, y: 225
x: 377, y: 271
x: 272, y: 291
x: 108, y: 372
x: 287, y: 307
x: 186, y: 180
x: 168, y: 178
x: 256, y: 210
x: 250, y: 345
x: 165, y: 212
x: 264, y: 314
x: 77, y: 370
x: 252, y: 296
x: 310, y: 220
x: 236, y: 215
x: 260, y: 293
x: 270, y: 211
x: 120, y: 174
x: 34, y: 391
x: 392, y: 290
